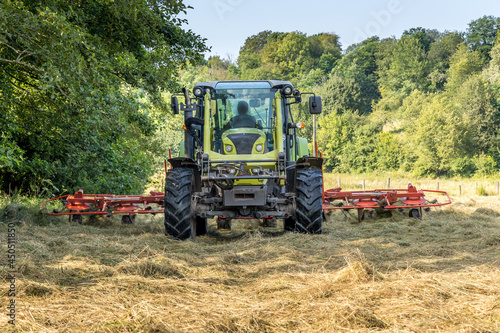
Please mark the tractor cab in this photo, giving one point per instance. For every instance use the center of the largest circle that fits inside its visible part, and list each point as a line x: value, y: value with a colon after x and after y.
x: 249, y: 118
x: 243, y: 120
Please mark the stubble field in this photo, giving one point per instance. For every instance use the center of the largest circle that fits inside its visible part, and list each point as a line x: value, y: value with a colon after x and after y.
x: 395, y: 274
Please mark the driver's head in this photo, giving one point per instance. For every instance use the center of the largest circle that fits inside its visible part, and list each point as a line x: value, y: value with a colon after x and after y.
x: 242, y: 107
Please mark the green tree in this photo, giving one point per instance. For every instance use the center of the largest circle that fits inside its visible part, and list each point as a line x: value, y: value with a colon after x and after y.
x: 325, y: 50
x: 425, y: 36
x: 462, y: 64
x: 492, y: 71
x: 251, y: 53
x: 335, y: 131
x: 383, y: 59
x: 476, y: 103
x: 482, y: 33
x: 389, y: 153
x: 291, y: 55
x: 440, y: 55
x: 359, y: 154
x: 287, y: 55
x: 408, y: 67
x: 359, y: 64
x: 341, y: 95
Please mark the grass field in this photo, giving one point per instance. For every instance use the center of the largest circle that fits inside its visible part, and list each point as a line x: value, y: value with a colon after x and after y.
x: 396, y: 274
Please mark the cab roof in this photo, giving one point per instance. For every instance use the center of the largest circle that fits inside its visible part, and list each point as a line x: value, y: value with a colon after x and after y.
x: 244, y: 84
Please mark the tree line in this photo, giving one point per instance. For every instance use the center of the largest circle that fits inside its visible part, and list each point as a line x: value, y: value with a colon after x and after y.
x: 427, y: 102
x: 84, y: 89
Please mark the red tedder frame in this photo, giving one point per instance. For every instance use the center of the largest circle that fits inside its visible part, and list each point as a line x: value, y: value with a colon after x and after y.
x: 381, y: 198
x: 108, y: 204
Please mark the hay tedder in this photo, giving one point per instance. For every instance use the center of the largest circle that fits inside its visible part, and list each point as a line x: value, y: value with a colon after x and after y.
x: 242, y: 159
x: 366, y: 202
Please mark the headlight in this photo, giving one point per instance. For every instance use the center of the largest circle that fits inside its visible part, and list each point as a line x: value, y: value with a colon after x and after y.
x: 259, y: 147
x: 229, y: 148
x: 287, y: 90
x: 198, y: 92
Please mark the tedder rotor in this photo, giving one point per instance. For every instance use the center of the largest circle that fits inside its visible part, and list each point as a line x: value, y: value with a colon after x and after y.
x: 383, y: 199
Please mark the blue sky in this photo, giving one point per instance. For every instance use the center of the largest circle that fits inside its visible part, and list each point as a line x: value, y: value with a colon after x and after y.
x: 227, y: 23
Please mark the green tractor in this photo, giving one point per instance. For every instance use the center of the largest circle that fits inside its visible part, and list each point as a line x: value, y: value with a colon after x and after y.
x: 242, y: 159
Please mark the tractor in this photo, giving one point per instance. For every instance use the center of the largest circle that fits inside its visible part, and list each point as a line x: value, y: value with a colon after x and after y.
x: 241, y: 158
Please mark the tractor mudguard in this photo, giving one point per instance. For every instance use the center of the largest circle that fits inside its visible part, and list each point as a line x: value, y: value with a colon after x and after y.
x: 186, y: 162
x: 182, y: 162
x: 309, y: 162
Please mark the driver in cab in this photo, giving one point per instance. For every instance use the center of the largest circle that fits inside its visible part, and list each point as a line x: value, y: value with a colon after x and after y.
x: 243, y: 119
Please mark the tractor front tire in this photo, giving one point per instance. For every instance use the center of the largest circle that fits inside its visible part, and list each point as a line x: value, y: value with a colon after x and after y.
x: 180, y: 222
x: 309, y: 210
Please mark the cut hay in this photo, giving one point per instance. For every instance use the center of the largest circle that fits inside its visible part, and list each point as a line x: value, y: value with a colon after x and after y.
x: 438, y: 274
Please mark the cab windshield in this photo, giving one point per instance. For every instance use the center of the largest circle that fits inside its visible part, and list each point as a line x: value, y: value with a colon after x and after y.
x: 243, y: 108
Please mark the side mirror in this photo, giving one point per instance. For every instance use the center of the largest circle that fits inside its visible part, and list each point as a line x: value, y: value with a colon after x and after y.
x: 315, y: 105
x: 174, y: 104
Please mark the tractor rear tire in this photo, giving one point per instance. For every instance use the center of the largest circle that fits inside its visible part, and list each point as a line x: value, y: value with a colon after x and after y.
x: 180, y: 222
x: 309, y: 210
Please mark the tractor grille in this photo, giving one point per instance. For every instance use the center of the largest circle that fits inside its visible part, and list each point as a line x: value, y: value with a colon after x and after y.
x: 243, y: 142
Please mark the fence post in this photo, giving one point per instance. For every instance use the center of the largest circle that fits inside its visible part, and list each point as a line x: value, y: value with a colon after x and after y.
x: 388, y: 182
x: 363, y: 184
x: 460, y: 190
x: 339, y: 182
x: 437, y: 186
x: 498, y: 188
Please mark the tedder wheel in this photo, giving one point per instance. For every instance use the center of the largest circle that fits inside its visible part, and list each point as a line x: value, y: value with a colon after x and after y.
x: 415, y: 213
x: 309, y: 210
x: 128, y: 219
x: 77, y: 218
x: 180, y: 220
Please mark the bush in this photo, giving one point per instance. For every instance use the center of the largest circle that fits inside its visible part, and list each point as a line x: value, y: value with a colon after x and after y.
x: 463, y: 166
x: 481, y: 190
x: 485, y: 165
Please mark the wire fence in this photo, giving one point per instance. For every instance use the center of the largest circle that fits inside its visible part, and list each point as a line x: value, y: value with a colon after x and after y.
x: 486, y: 187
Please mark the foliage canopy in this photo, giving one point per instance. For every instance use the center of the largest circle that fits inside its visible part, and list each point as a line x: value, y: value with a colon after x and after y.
x: 73, y: 79
x: 427, y: 102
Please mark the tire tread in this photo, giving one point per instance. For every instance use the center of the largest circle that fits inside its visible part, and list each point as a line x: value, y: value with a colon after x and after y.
x: 178, y: 203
